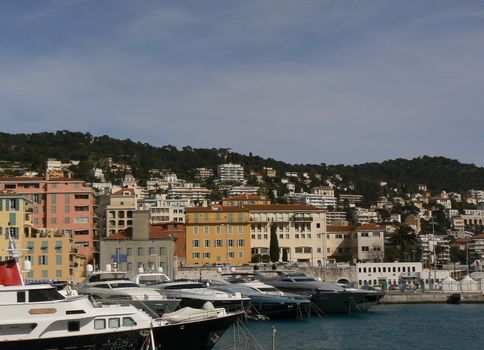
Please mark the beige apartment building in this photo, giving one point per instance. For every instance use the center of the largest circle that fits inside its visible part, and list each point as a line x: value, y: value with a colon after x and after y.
x: 119, y: 211
x: 363, y: 243
x: 300, y: 231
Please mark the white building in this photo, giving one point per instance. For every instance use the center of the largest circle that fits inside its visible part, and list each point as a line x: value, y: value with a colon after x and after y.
x: 388, y: 274
x: 321, y: 201
x: 231, y: 172
x: 195, y: 193
x: 366, y: 216
x: 163, y: 210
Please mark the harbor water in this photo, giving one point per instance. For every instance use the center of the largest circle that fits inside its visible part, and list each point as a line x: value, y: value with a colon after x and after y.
x: 398, y: 327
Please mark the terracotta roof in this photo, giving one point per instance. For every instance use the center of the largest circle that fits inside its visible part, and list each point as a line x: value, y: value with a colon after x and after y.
x: 479, y: 236
x: 282, y: 207
x: 121, y: 192
x: 243, y: 197
x: 163, y: 230
x: 119, y: 236
x: 215, y: 209
x: 37, y: 179
x: 369, y: 227
x: 339, y: 228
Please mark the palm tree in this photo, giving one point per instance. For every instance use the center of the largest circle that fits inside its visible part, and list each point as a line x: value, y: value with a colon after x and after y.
x: 405, y: 240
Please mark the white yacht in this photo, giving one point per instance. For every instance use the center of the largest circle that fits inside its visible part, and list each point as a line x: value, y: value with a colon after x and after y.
x: 196, y: 294
x: 113, y: 287
x: 39, y: 317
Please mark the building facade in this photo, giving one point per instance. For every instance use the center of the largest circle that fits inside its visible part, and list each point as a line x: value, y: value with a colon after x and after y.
x: 300, y: 230
x: 217, y: 234
x: 59, y: 204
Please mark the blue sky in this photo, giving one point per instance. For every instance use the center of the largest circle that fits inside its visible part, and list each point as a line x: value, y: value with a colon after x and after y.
x: 300, y: 81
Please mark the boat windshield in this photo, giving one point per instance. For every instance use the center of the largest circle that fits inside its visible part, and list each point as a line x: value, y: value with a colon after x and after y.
x: 107, y: 276
x: 123, y: 285
x: 49, y: 294
x: 185, y: 286
x: 268, y: 289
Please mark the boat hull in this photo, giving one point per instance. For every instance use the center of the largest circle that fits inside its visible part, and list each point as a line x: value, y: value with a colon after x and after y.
x: 197, y: 335
x: 345, y: 302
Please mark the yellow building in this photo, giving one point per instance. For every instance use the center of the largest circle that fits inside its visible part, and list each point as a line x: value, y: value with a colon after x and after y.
x: 50, y: 251
x: 217, y: 234
x: 14, y: 219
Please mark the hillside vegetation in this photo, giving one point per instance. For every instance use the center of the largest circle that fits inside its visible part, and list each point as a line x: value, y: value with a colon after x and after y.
x: 33, y: 150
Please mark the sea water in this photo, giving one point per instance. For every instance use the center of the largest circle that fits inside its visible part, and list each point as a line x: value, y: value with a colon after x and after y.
x: 398, y: 327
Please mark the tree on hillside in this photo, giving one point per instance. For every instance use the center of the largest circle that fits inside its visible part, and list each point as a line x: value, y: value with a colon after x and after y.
x: 274, y: 245
x: 405, y: 240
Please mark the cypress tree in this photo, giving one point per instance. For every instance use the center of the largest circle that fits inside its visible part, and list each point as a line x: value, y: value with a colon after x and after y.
x: 274, y: 245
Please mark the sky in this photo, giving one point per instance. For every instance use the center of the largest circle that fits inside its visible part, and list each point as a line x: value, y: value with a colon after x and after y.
x: 302, y: 81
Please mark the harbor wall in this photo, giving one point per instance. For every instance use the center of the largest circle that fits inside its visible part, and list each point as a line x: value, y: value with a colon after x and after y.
x: 430, y: 298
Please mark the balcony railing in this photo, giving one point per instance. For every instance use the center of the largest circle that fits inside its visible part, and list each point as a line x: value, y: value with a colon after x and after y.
x: 301, y: 218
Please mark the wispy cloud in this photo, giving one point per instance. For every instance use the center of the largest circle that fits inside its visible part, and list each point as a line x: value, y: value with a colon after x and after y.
x: 301, y: 81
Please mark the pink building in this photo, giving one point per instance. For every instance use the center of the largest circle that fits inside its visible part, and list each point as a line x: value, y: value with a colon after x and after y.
x: 62, y: 204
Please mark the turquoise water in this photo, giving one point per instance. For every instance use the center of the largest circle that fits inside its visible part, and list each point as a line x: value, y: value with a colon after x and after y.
x: 398, y: 327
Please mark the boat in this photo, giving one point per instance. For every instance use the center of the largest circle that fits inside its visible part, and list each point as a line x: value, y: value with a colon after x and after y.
x: 265, y: 300
x: 195, y: 294
x: 39, y: 317
x: 326, y: 297
x: 113, y: 287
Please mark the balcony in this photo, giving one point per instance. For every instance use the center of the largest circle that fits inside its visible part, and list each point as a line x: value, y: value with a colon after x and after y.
x: 301, y: 218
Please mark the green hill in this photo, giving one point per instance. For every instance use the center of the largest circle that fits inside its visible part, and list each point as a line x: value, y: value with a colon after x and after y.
x: 34, y: 149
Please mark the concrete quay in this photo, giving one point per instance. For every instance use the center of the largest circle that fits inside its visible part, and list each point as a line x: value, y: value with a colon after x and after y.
x: 431, y: 298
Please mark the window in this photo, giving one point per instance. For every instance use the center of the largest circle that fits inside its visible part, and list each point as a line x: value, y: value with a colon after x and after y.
x: 218, y: 243
x: 129, y: 251
x: 141, y: 251
x: 195, y: 243
x: 20, y: 297
x: 281, y: 236
x: 114, y: 323
x: 81, y: 220
x: 230, y: 242
x: 241, y: 255
x: 195, y: 230
x: 206, y: 255
x: 58, y: 259
x: 151, y: 251
x: 73, y: 326
x: 229, y: 228
x: 99, y: 324
x: 219, y: 229
x: 365, y: 249
x: 53, y: 221
x: 231, y: 255
x: 240, y: 242
x: 128, y: 322
x: 205, y: 229
x: 196, y: 255
x: 318, y: 225
x: 364, y: 234
x: 206, y: 243
x: 67, y: 220
x: 266, y: 236
x: 241, y: 229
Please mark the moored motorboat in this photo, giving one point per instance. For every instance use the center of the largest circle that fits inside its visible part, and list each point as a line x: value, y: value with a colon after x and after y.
x: 195, y: 294
x: 39, y: 317
x: 265, y: 300
x: 325, y: 296
x: 113, y: 287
